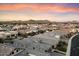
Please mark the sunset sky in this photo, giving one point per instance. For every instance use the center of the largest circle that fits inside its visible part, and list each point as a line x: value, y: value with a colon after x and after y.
x: 40, y: 11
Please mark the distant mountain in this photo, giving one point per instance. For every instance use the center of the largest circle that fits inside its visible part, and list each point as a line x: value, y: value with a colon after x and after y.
x: 26, y: 22
x: 38, y: 21
x: 35, y: 22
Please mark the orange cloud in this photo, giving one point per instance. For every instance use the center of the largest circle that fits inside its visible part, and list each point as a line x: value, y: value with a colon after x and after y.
x: 37, y: 8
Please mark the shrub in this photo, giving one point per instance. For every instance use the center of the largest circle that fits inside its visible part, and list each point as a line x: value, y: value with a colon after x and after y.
x: 62, y: 46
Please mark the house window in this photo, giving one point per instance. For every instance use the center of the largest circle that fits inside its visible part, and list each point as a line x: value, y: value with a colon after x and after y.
x: 52, y: 46
x: 12, y: 35
x: 46, y: 51
x: 8, y: 36
x: 12, y: 52
x: 17, y: 50
x: 27, y: 53
x: 33, y: 48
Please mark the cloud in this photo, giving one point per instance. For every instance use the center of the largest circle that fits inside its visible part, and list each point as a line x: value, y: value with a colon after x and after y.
x: 37, y: 8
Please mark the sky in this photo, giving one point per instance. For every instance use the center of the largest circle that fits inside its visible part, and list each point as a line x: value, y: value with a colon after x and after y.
x: 39, y: 11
